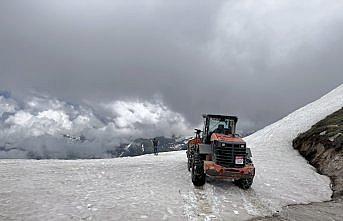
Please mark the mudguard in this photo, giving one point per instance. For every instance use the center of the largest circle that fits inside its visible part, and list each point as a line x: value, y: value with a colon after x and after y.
x: 205, y: 149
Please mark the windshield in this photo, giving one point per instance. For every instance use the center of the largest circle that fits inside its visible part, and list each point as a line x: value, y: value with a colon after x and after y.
x: 216, y: 123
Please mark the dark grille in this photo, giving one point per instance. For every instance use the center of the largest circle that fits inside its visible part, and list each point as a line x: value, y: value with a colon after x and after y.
x: 225, y: 156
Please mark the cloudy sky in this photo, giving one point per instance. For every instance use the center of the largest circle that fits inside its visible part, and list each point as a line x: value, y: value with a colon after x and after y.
x: 256, y: 59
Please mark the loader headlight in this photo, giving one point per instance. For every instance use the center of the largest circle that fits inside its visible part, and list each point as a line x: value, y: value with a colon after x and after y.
x: 223, y: 144
x: 242, y: 145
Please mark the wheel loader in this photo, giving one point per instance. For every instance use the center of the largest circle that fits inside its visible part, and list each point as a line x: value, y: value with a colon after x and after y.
x: 217, y: 151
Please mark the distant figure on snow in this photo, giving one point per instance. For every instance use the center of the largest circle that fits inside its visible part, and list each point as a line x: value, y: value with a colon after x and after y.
x: 155, y: 143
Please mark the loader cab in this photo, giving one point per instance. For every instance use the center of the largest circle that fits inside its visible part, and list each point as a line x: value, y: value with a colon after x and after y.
x: 218, y: 124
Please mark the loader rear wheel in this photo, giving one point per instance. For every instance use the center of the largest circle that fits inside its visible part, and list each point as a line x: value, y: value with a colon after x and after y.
x: 198, y: 174
x: 244, y: 183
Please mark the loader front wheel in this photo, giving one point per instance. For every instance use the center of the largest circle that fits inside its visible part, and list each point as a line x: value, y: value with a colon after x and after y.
x: 244, y: 183
x: 198, y: 174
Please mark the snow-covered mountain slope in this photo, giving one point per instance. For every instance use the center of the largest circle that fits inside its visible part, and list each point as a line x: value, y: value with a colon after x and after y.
x: 282, y: 175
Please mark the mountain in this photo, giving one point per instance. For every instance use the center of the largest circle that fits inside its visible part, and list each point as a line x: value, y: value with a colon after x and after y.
x: 322, y: 146
x: 142, y: 146
x: 80, y: 147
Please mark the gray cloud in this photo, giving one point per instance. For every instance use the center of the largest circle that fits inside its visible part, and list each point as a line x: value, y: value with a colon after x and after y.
x: 46, y: 127
x: 259, y: 60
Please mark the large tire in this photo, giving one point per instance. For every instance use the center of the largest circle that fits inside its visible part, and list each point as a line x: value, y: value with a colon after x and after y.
x: 244, y: 183
x: 189, y: 164
x: 198, y: 174
x: 188, y: 161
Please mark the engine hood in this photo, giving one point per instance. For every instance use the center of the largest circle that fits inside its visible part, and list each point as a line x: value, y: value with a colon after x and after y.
x: 226, y: 138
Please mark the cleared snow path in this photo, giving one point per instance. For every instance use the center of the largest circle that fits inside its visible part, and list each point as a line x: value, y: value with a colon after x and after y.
x: 159, y: 188
x: 138, y: 188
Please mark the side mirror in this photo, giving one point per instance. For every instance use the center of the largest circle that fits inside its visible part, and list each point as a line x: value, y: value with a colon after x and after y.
x: 197, y: 131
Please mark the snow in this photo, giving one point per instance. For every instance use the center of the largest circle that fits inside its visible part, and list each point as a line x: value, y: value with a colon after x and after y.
x: 159, y: 187
x: 283, y: 176
x: 135, y: 188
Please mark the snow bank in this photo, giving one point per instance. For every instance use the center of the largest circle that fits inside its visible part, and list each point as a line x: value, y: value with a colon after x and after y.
x: 282, y: 175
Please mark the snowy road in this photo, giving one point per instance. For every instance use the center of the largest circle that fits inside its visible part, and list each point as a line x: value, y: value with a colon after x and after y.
x: 139, y: 188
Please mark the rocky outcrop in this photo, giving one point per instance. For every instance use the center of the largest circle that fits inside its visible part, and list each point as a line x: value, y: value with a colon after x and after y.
x: 322, y: 147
